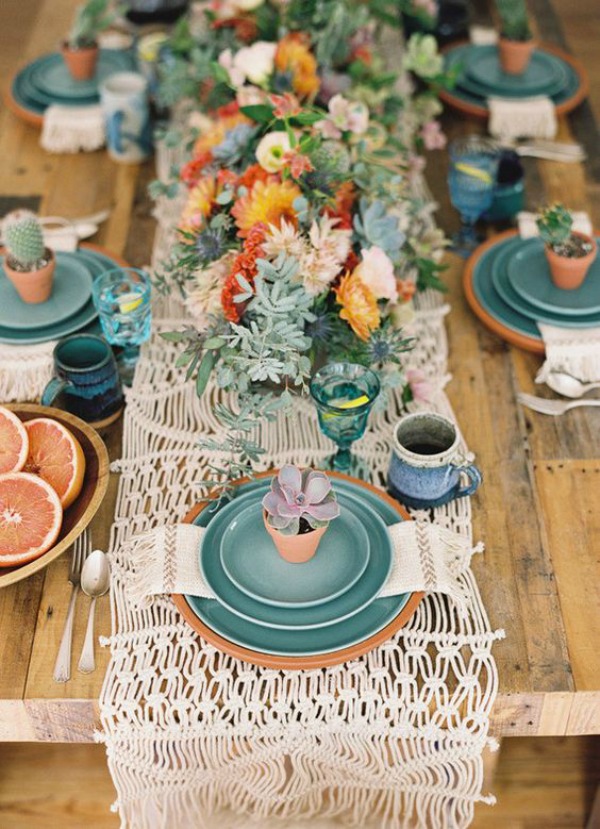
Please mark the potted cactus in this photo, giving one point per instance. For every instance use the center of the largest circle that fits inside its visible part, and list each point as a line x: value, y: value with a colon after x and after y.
x: 569, y: 254
x: 297, y: 511
x: 28, y: 263
x: 80, y: 50
x: 516, y: 43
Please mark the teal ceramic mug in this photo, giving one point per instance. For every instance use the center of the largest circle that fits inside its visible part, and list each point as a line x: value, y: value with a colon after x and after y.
x: 86, y: 381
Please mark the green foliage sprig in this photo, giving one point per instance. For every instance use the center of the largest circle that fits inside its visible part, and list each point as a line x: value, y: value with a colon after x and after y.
x: 92, y: 18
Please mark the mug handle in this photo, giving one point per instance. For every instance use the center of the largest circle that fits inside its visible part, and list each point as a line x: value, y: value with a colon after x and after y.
x: 475, y: 479
x: 52, y: 390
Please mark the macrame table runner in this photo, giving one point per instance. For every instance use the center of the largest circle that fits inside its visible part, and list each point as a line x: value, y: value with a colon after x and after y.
x: 195, y: 737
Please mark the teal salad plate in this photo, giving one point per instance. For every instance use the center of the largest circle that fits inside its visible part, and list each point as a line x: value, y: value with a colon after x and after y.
x: 250, y: 559
x: 337, y: 636
x: 71, y: 290
x: 456, y: 58
x: 482, y: 65
x: 49, y: 75
x: 362, y: 593
x: 85, y: 319
x: 529, y: 277
x: 507, y: 293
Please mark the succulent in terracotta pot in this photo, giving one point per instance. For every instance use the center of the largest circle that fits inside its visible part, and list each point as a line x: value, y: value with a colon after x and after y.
x: 569, y: 254
x: 28, y: 263
x: 297, y: 511
x: 80, y: 49
x: 516, y: 43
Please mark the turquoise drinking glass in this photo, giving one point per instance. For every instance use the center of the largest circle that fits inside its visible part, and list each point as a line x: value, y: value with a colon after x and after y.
x: 344, y: 394
x: 122, y: 297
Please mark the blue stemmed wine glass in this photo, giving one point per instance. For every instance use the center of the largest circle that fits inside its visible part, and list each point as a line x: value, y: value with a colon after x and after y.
x: 471, y: 179
x: 344, y: 394
x: 122, y: 297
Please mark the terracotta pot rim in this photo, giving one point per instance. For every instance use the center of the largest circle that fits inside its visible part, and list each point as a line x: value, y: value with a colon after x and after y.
x: 66, y: 47
x: 49, y: 254
x: 275, y: 530
x: 528, y: 43
x: 550, y: 250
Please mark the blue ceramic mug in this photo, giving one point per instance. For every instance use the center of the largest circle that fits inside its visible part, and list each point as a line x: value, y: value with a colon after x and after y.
x: 126, y: 110
x: 86, y: 380
x: 427, y: 464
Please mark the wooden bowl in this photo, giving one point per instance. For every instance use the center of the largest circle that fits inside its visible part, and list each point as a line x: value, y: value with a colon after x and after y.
x: 95, y: 482
x: 295, y: 663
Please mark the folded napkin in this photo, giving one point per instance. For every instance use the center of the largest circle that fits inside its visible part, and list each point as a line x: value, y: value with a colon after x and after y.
x: 528, y: 227
x: 522, y: 118
x: 426, y: 558
x: 574, y: 351
x: 69, y: 129
x: 483, y: 35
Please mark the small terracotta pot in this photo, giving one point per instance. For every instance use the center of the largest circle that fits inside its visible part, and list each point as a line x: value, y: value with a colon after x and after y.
x: 515, y: 55
x: 295, y: 548
x: 33, y: 286
x: 569, y: 272
x: 81, y: 63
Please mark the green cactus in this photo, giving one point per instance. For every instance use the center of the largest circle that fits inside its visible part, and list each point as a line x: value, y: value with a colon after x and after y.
x: 91, y: 18
x: 23, y: 239
x: 514, y: 20
x: 554, y: 224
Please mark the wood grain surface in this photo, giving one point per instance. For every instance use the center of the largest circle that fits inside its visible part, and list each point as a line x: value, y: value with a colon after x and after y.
x: 537, y: 511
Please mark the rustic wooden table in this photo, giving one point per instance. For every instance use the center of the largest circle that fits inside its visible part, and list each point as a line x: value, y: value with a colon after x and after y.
x: 537, y: 511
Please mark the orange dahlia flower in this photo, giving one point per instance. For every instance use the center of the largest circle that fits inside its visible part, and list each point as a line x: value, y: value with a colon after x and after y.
x: 199, y: 205
x: 269, y: 202
x: 359, y: 306
x: 294, y: 56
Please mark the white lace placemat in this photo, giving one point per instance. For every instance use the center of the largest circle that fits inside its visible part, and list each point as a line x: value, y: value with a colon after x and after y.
x: 196, y: 737
x: 522, y: 118
x: 69, y: 129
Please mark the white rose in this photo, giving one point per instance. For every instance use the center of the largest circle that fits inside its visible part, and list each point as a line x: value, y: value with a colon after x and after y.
x: 271, y: 151
x: 257, y: 61
x: 376, y: 271
x: 248, y: 5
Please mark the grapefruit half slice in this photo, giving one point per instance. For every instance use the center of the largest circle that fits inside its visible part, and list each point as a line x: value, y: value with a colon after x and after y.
x: 14, y: 442
x: 56, y: 456
x: 30, y: 518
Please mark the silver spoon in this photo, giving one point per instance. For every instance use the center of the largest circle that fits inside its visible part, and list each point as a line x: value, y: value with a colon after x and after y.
x: 95, y: 581
x: 568, y: 385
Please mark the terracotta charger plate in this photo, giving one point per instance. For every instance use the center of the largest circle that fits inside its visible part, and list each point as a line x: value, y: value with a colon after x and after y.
x: 563, y: 108
x: 95, y: 482
x: 503, y: 331
x: 301, y: 662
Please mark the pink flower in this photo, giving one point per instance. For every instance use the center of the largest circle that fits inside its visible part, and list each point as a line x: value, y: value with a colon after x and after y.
x: 432, y: 135
x: 376, y: 272
x: 427, y: 6
x: 285, y: 105
x: 344, y: 116
x: 420, y: 387
x: 298, y: 163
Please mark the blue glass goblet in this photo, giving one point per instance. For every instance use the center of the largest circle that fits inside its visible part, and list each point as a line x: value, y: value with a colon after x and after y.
x: 344, y: 394
x: 471, y: 179
x: 122, y: 297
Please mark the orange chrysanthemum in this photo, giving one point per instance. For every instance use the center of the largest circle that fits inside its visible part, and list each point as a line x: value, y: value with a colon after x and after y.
x: 294, y: 56
x: 199, y: 204
x: 342, y: 210
x: 191, y: 172
x: 244, y: 264
x: 213, y: 135
x: 269, y: 202
x: 359, y: 306
x: 251, y: 175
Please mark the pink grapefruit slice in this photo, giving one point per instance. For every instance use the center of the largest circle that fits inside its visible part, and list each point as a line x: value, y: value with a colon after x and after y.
x: 14, y: 442
x: 30, y: 518
x: 56, y: 456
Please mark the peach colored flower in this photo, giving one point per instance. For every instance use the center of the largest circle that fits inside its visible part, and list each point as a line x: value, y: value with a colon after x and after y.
x: 359, y: 306
x: 269, y: 202
x: 199, y: 204
x: 376, y: 271
x: 406, y: 289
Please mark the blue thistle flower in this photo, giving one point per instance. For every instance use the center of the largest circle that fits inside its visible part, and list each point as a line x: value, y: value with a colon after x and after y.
x: 320, y: 329
x: 211, y: 243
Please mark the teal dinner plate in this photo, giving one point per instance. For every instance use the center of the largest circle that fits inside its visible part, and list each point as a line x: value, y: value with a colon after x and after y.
x: 507, y: 293
x: 489, y: 299
x: 362, y: 593
x: 333, y: 637
x: 529, y: 277
x: 482, y: 65
x: 250, y: 558
x: 83, y: 320
x: 549, y: 89
x: 457, y: 57
x: 49, y: 75
x: 71, y: 290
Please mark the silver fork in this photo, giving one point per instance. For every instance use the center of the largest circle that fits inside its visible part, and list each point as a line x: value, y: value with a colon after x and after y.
x: 552, y: 407
x: 81, y: 549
